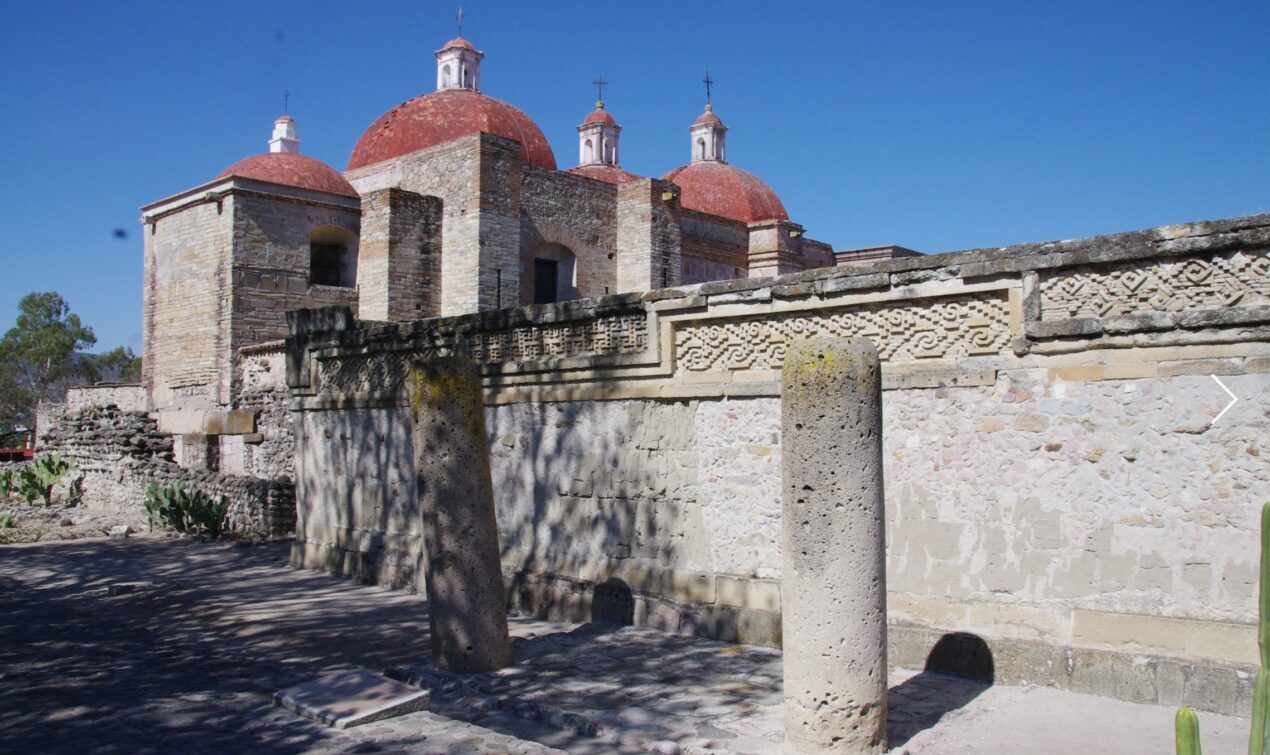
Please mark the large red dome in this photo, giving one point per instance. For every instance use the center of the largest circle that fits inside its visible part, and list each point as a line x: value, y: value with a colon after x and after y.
x: 438, y: 117
x: 291, y: 169
x: 719, y: 189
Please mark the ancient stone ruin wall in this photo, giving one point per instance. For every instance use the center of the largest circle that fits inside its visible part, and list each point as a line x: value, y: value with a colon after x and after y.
x: 129, y: 397
x: 261, y: 389
x: 1055, y: 480
x: 119, y: 452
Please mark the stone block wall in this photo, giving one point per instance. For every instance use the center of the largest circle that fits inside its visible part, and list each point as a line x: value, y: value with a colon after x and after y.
x: 224, y: 262
x: 400, y: 256
x: 1058, y: 481
x: 128, y: 397
x: 714, y: 248
x: 271, y: 262
x: 451, y: 173
x: 269, y: 451
x: 576, y: 212
x: 118, y: 453
x: 185, y: 325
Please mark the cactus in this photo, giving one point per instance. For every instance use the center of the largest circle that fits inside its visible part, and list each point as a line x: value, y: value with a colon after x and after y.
x: 1187, y: 723
x: 1187, y: 726
x: 185, y: 510
x: 1261, y: 692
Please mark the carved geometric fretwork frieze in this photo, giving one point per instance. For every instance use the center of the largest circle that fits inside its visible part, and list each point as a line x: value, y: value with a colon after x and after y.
x: 622, y: 334
x: 905, y: 331
x: 1232, y: 279
x: 363, y: 373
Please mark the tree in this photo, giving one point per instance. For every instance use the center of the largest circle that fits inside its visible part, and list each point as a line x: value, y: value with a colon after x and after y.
x: 118, y: 365
x: 39, y: 352
x: 14, y: 402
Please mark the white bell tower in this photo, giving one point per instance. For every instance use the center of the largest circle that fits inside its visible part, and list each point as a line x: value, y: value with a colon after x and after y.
x: 598, y: 137
x: 459, y: 66
x: 284, y: 139
x: 708, y: 137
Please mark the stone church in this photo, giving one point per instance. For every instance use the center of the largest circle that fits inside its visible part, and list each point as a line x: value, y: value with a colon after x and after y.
x: 451, y: 202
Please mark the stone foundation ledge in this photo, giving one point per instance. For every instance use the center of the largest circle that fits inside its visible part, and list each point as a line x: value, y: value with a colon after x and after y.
x: 1134, y: 677
x: 1133, y: 658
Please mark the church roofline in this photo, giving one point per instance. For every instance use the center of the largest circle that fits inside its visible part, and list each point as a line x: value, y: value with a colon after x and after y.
x: 229, y: 185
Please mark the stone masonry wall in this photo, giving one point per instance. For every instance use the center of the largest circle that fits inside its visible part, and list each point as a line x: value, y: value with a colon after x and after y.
x: 449, y: 172
x: 118, y: 453
x: 128, y: 397
x: 271, y: 260
x: 399, y: 270
x: 1058, y: 479
x: 576, y: 212
x: 269, y: 452
x: 713, y: 248
x: 185, y: 312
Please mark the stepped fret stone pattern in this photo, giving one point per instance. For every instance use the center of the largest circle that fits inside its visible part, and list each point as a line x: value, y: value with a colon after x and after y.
x: 380, y: 373
x: 1235, y: 279
x: 623, y: 334
x: 946, y: 328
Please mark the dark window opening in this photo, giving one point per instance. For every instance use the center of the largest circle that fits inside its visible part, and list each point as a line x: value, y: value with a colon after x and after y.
x: 325, y: 261
x: 546, y: 276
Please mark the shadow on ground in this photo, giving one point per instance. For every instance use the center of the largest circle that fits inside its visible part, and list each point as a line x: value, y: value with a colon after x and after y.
x: 164, y: 645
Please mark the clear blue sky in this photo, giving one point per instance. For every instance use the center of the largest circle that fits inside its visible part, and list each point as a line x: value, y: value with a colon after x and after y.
x: 936, y: 125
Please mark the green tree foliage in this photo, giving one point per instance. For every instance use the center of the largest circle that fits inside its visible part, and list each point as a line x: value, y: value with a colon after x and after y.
x: 118, y: 365
x: 39, y: 357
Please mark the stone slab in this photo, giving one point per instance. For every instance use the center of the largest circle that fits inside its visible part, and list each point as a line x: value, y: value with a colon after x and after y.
x: 345, y: 699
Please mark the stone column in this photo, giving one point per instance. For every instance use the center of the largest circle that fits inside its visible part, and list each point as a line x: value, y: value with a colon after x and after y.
x: 833, y: 584
x: 466, y: 610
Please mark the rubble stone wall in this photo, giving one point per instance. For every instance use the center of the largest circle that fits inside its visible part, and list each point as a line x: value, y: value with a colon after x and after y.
x: 118, y: 453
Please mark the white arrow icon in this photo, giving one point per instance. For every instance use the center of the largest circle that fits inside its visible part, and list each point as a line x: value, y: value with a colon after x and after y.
x: 1233, y: 400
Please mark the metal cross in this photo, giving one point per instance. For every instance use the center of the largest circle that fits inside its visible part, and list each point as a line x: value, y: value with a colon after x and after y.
x: 709, y: 82
x: 458, y: 19
x: 600, y: 82
x: 286, y: 102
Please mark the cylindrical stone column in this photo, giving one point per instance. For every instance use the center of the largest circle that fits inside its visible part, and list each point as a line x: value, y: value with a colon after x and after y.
x: 464, y: 579
x: 833, y: 572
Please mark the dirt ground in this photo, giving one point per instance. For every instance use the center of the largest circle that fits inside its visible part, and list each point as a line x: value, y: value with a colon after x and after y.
x: 156, y: 645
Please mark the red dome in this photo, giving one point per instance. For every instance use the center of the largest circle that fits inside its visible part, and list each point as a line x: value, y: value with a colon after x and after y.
x: 438, y: 117
x: 720, y: 189
x: 458, y: 42
x: 606, y: 173
x: 599, y: 115
x: 291, y: 169
x: 708, y: 117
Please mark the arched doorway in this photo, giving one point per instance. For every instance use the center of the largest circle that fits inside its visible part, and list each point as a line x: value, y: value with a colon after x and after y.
x: 549, y: 275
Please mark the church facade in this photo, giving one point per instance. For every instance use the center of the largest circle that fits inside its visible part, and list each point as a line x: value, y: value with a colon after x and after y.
x: 450, y: 203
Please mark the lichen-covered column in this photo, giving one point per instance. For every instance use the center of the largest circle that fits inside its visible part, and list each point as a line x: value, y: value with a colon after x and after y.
x: 833, y: 583
x: 464, y: 578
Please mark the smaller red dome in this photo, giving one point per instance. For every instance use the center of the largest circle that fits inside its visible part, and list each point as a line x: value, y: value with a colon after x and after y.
x: 599, y: 115
x: 458, y: 42
x: 708, y: 117
x: 291, y: 169
x: 719, y: 189
x: 607, y: 173
x: 285, y: 117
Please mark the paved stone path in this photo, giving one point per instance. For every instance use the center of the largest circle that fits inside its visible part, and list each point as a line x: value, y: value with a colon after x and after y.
x: 186, y: 653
